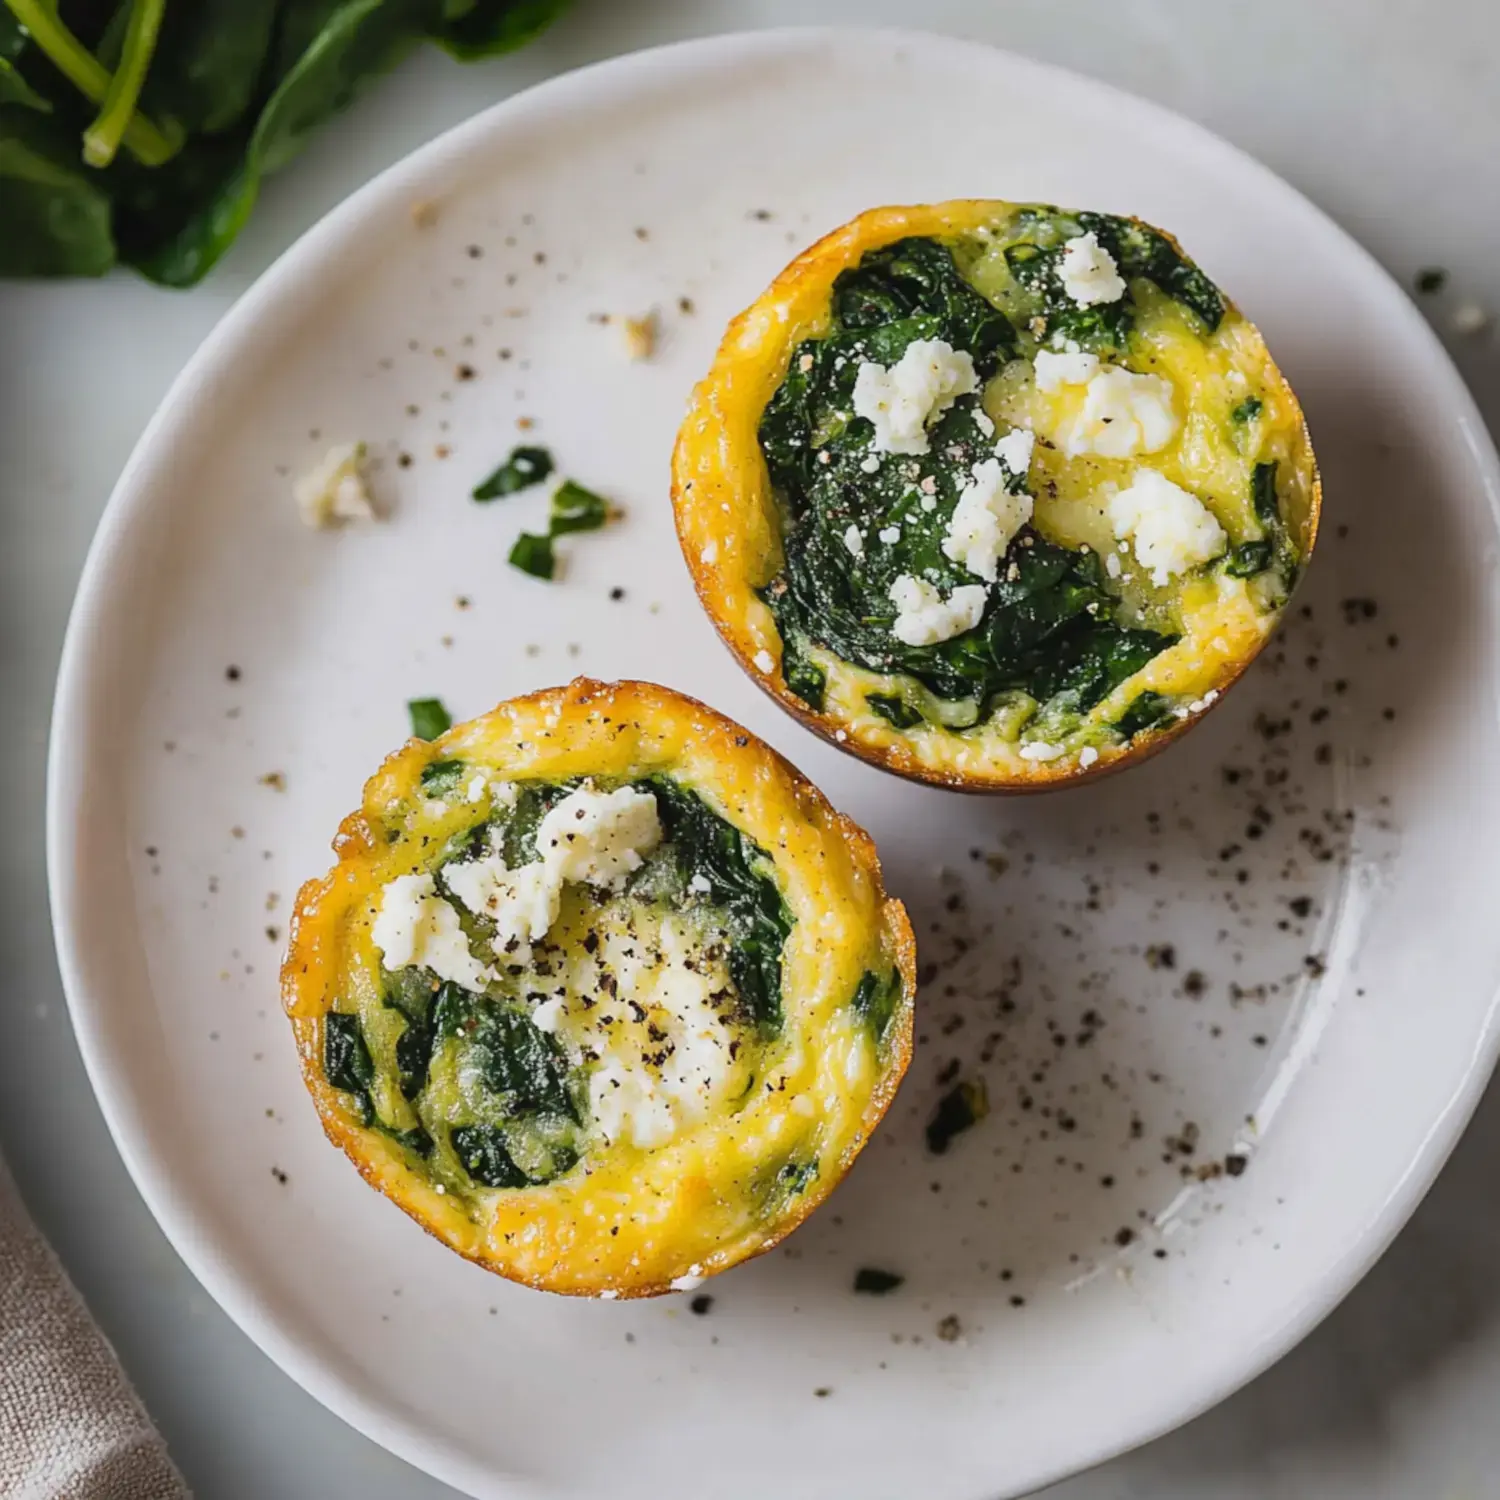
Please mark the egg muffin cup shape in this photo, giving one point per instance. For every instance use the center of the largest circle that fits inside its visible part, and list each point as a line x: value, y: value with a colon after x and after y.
x: 601, y: 991
x: 1039, y: 537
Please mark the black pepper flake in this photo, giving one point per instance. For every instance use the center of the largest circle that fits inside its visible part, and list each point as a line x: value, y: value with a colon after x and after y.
x: 617, y: 593
x: 701, y: 1304
x: 280, y: 1176
x: 876, y: 1283
x: 1125, y: 1235
x: 1235, y: 1164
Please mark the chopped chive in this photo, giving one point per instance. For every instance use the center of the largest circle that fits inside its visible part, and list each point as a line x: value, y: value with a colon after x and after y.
x: 577, y: 509
x: 524, y: 468
x: 533, y: 554
x: 877, y: 1283
x: 429, y: 718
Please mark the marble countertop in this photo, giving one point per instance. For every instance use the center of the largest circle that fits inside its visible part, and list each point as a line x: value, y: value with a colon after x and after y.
x: 1383, y: 111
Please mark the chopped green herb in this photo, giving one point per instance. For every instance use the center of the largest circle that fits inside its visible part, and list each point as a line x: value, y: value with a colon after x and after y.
x: 534, y: 554
x: 877, y: 1283
x: 964, y: 1105
x: 577, y: 509
x: 1431, y: 279
x: 1247, y: 410
x: 429, y: 718
x: 896, y: 709
x: 524, y: 468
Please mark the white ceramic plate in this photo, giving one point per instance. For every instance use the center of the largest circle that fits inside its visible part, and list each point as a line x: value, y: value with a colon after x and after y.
x: 1272, y: 946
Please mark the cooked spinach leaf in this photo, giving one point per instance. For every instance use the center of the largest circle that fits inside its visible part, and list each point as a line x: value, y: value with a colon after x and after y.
x: 524, y: 468
x: 1049, y: 631
x: 429, y: 718
x: 735, y: 867
x: 347, y: 1064
x: 207, y: 98
x: 797, y: 1176
x: 1247, y: 410
x: 897, y: 710
x: 534, y: 554
x: 875, y: 1000
x: 963, y: 1106
x: 1248, y: 559
x: 481, y: 1149
x: 516, y: 1060
x: 1146, y: 711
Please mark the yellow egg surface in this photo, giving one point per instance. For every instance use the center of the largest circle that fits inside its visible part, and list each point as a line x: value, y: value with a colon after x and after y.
x: 600, y: 990
x: 995, y: 495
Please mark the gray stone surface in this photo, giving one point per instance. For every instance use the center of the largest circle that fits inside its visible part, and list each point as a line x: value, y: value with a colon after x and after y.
x: 1383, y: 111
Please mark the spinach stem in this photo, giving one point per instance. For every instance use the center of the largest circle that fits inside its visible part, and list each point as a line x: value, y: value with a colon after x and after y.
x: 148, y: 144
x: 102, y: 139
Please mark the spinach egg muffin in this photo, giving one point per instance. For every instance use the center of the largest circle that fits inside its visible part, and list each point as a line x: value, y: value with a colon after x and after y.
x: 995, y: 495
x: 601, y: 991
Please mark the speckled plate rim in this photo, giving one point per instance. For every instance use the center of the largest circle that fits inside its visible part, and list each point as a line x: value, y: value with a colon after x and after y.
x: 75, y: 779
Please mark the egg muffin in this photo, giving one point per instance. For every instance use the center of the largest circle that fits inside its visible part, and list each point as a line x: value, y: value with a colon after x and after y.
x: 996, y: 496
x: 600, y: 990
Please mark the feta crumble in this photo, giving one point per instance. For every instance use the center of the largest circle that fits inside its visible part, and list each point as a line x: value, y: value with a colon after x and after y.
x: 1170, y: 529
x: 1122, y: 414
x: 854, y: 542
x: 889, y: 534
x: 1087, y: 756
x: 415, y: 928
x: 765, y: 662
x: 1014, y: 450
x: 335, y: 490
x: 1088, y: 272
x: 1039, y: 750
x: 924, y: 617
x: 901, y: 399
x: 985, y: 520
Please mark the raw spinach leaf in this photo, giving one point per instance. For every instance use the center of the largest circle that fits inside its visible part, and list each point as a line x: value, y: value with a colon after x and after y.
x: 524, y: 468
x: 735, y: 866
x: 484, y: 28
x: 54, y: 220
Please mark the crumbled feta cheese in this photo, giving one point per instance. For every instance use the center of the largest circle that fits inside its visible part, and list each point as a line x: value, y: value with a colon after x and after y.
x: 1040, y: 750
x: 1014, y: 450
x: 985, y: 520
x: 1088, y: 272
x: 416, y: 928
x: 592, y: 838
x: 1470, y: 318
x: 1122, y: 414
x: 688, y: 1283
x: 1170, y: 529
x: 709, y: 553
x: 478, y: 783
x: 928, y: 504
x: 1112, y: 564
x: 983, y: 423
x: 1070, y: 366
x: 870, y: 464
x: 854, y: 542
x: 765, y: 662
x: 700, y: 885
x: 1087, y: 756
x: 334, y: 490
x: 900, y: 400
x: 889, y: 534
x: 924, y: 617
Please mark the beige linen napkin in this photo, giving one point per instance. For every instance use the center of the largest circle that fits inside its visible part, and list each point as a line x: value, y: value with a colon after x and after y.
x: 71, y: 1428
